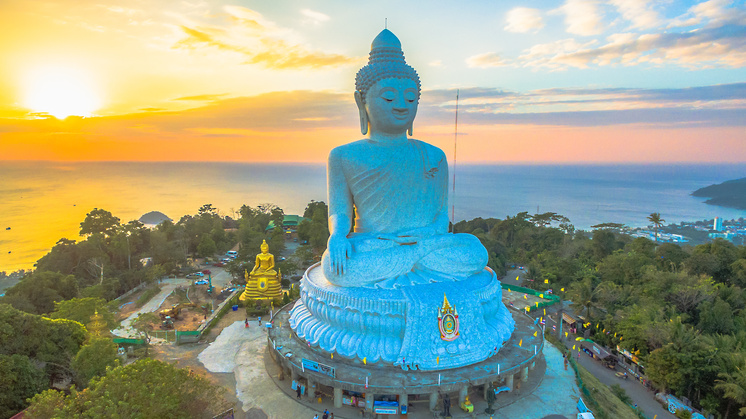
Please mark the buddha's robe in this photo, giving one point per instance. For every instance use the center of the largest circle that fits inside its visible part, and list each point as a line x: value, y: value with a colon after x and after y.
x: 399, y: 191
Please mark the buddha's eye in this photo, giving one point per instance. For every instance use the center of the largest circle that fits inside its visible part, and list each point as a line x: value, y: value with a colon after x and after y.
x: 388, y: 96
x: 410, y: 96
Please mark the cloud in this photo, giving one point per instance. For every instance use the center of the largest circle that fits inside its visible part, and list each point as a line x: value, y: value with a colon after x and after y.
x: 313, y: 17
x: 638, y: 12
x: 486, y: 60
x: 524, y: 20
x: 716, y: 105
x: 202, y: 98
x: 582, y: 17
x: 259, y: 41
x: 718, y: 46
x: 711, y: 13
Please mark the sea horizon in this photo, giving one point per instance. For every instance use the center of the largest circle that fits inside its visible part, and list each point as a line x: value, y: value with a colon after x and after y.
x: 44, y: 201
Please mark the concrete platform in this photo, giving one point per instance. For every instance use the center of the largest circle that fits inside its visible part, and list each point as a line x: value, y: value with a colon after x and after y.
x: 335, y: 378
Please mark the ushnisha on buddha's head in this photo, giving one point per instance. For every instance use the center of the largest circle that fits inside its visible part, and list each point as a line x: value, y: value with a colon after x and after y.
x: 387, y: 90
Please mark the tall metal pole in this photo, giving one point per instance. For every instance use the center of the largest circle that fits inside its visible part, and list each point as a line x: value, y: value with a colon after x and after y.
x: 453, y: 191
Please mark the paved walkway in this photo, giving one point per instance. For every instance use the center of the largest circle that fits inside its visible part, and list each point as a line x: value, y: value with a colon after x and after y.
x: 243, y: 352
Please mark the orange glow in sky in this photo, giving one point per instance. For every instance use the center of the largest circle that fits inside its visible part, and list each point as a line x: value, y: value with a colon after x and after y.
x: 273, y: 81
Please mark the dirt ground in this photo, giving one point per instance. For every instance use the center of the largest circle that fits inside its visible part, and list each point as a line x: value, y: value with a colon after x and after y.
x: 185, y: 356
x: 190, y: 317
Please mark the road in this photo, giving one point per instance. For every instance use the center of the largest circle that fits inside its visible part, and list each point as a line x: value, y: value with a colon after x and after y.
x: 644, y: 398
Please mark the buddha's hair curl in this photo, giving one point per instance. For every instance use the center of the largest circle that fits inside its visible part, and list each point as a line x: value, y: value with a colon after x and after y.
x: 385, y: 63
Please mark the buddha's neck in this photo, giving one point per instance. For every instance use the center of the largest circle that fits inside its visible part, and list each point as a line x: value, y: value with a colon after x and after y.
x: 382, y: 137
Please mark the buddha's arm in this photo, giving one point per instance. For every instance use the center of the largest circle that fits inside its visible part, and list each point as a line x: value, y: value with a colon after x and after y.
x: 257, y: 264
x: 271, y: 262
x: 340, y: 213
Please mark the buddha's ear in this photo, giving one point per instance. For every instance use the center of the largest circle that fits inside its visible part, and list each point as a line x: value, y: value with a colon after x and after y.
x: 363, y: 113
x: 409, y: 130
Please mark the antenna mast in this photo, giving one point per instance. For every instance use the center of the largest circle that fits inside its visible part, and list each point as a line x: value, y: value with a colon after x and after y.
x: 453, y: 192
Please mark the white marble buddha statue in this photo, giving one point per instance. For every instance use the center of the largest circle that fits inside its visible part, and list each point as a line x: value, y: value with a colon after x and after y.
x: 397, y: 187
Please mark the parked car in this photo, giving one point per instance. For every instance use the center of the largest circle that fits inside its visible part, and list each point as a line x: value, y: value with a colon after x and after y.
x: 226, y: 260
x: 232, y: 254
x: 202, y: 282
x: 218, y: 264
x: 195, y: 274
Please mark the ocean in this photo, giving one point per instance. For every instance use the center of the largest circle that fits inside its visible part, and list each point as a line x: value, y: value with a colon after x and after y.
x: 45, y: 201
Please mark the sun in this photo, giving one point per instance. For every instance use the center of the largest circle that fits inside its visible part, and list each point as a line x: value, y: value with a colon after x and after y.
x: 61, y: 91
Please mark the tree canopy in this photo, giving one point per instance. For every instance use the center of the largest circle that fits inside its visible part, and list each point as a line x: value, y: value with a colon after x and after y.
x: 144, y: 389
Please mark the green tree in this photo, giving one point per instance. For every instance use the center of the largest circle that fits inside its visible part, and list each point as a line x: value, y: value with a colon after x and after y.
x: 733, y: 386
x: 206, y: 247
x: 93, y: 358
x: 82, y: 309
x: 43, y: 339
x: 584, y: 295
x: 144, y: 389
x: 657, y: 221
x: 20, y: 379
x: 716, y: 317
x: 37, y: 293
x: 99, y: 221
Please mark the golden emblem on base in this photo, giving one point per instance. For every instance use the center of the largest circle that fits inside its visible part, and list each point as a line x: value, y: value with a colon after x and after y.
x: 263, y: 282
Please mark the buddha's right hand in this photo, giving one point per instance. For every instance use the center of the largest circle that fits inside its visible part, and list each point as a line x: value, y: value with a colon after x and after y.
x: 339, y: 250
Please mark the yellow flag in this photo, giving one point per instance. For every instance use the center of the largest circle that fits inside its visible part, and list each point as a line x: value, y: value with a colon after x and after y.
x: 437, y: 360
x: 573, y: 347
x: 535, y: 333
x: 524, y: 297
x: 545, y: 312
x: 597, y: 325
x: 614, y: 334
x: 365, y: 361
x: 517, y: 278
x: 520, y: 343
x: 541, y: 295
x: 541, y: 319
x: 565, y: 334
x: 332, y: 355
x: 546, y: 281
x: 562, y: 289
x: 528, y: 309
x: 604, y: 331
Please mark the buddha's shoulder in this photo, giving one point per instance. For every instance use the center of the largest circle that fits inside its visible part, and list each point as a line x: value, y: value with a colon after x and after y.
x: 432, y: 151
x: 350, y: 150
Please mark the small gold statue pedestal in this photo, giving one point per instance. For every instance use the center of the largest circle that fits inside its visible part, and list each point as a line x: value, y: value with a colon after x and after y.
x: 262, y: 287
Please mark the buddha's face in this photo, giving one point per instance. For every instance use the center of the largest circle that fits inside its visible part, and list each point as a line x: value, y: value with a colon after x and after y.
x: 264, y: 248
x: 391, y: 105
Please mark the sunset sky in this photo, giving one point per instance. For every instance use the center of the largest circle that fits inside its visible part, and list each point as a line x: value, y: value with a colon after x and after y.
x: 559, y: 82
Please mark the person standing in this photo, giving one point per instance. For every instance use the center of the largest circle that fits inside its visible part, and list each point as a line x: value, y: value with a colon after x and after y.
x: 325, y: 415
x: 297, y: 390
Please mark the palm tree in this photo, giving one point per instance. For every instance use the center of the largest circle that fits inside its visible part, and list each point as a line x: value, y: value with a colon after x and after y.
x: 733, y: 386
x: 657, y: 221
x: 584, y: 296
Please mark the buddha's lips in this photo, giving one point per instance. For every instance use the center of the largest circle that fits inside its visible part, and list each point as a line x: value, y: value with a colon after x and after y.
x: 401, y: 114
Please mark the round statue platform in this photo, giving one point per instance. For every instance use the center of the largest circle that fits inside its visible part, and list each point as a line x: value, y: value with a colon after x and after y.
x: 300, y: 360
x: 440, y: 324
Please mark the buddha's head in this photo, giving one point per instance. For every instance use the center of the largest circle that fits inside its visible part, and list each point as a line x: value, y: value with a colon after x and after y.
x: 264, y: 247
x: 387, y: 89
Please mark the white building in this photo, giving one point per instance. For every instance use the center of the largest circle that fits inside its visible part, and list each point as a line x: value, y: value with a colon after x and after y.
x: 718, y: 224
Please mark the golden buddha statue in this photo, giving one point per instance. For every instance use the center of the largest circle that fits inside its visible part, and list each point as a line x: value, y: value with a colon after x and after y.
x: 263, y: 282
x: 265, y: 261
